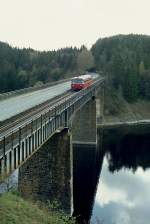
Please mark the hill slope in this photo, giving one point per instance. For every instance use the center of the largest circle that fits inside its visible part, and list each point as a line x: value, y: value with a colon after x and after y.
x: 125, y: 59
x: 15, y: 210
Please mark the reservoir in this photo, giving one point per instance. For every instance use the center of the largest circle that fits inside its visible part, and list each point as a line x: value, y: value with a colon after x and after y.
x: 123, y: 188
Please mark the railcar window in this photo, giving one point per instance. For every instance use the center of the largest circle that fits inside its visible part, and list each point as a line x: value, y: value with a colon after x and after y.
x: 77, y: 81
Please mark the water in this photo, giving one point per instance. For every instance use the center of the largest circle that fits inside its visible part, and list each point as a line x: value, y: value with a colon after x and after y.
x: 10, y: 183
x: 86, y: 174
x: 123, y: 192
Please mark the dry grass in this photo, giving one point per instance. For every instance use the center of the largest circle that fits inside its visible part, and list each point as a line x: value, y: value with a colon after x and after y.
x: 119, y: 110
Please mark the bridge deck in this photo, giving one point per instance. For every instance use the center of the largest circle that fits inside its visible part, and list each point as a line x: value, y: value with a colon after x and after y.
x: 13, y: 106
x: 17, y: 145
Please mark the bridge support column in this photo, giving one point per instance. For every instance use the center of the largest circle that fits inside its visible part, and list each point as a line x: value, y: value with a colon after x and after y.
x: 47, y: 175
x: 84, y: 139
x: 84, y: 129
x: 100, y: 105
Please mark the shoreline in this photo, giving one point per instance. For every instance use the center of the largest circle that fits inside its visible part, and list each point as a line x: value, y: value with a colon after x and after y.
x: 123, y: 123
x: 135, y: 114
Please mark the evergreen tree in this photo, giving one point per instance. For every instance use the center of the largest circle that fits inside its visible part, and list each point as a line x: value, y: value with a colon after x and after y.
x: 125, y: 59
x: 141, y: 68
x: 85, y: 60
x: 130, y: 87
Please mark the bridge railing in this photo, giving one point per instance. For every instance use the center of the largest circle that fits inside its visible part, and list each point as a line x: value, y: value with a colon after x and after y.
x: 17, y: 146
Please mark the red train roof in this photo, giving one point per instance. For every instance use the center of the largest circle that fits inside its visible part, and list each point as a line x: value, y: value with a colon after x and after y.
x: 83, y: 77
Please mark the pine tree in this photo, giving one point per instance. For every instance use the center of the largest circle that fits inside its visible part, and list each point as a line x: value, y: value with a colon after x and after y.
x: 141, y: 68
x: 85, y: 60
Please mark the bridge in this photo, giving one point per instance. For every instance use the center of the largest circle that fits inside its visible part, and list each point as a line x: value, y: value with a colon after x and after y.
x: 41, y: 132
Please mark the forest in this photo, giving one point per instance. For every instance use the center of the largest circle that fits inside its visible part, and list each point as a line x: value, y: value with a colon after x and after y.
x: 22, y: 68
x: 123, y: 59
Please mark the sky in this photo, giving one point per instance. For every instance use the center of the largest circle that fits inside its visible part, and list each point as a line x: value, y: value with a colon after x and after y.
x: 53, y: 24
x: 123, y: 197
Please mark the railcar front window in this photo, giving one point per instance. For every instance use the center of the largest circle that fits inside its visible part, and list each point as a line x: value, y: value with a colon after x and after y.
x: 79, y: 81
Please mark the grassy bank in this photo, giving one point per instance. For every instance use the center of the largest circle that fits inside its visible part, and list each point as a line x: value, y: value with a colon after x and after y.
x: 117, y: 109
x: 15, y: 210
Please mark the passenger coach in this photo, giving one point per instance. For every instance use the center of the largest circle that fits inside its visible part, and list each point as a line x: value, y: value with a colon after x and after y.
x: 81, y: 82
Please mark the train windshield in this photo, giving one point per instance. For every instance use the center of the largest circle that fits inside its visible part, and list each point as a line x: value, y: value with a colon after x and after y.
x: 74, y: 81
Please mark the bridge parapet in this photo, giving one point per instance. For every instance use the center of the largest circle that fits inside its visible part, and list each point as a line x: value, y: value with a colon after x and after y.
x: 16, y: 147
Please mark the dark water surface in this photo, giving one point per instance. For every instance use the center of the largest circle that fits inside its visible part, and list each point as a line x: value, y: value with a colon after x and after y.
x: 123, y: 191
x: 86, y: 174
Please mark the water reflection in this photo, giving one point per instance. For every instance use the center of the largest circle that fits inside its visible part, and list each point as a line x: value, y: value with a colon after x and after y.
x: 10, y: 183
x: 123, y: 195
x: 87, y: 166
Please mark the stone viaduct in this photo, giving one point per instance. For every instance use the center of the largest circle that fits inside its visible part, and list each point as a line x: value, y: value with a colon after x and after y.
x: 46, y: 149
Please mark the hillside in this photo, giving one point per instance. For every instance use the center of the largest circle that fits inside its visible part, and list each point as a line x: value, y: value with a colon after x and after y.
x: 21, y: 68
x: 15, y: 210
x: 125, y: 60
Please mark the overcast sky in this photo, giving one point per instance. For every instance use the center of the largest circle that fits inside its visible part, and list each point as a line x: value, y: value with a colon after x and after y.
x: 52, y: 24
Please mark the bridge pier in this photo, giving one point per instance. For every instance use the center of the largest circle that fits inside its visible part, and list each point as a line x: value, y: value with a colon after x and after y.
x: 84, y: 140
x: 47, y: 175
x: 83, y: 128
x: 100, y: 105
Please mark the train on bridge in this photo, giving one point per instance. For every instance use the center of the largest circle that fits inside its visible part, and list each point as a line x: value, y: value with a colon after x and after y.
x: 83, y: 81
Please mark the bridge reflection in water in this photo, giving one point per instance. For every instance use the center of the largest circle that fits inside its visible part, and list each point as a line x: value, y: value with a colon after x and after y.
x: 87, y: 164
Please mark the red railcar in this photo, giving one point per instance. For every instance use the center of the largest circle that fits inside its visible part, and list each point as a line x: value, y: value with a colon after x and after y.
x: 81, y: 82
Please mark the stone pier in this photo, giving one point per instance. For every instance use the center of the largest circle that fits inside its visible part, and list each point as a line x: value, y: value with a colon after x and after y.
x: 84, y: 129
x: 84, y: 139
x: 47, y: 175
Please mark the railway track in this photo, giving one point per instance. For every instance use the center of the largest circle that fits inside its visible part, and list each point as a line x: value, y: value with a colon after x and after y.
x: 14, y: 123
x: 19, y: 120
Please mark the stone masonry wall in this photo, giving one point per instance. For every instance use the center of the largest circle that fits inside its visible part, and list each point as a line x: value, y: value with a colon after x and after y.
x: 84, y: 124
x: 47, y: 174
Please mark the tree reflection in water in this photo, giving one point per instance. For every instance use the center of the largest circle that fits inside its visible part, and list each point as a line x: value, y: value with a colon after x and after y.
x: 123, y: 194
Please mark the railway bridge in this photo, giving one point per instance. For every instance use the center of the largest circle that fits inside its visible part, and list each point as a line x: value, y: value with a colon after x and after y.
x: 41, y: 132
